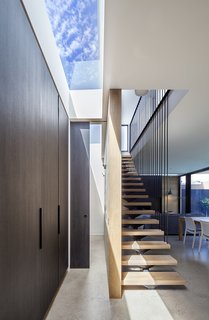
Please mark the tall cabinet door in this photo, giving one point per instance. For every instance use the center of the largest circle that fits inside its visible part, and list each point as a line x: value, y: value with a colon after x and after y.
x: 63, y: 191
x: 20, y: 162
x: 79, y: 186
x: 48, y: 259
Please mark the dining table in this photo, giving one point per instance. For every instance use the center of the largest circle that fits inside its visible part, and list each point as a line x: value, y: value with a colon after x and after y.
x: 181, y: 224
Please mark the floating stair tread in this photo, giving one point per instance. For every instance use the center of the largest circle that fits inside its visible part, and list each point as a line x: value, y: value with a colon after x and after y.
x: 142, y: 232
x: 135, y: 196
x: 145, y: 245
x: 140, y: 221
x: 135, y: 204
x: 138, y: 212
x: 134, y: 190
x: 148, y: 260
x: 152, y: 278
x: 129, y: 172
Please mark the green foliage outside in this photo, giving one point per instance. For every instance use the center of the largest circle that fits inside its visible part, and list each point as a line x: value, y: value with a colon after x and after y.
x: 204, y: 203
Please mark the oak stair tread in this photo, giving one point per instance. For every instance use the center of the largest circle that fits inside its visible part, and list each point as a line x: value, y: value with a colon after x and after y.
x: 134, y: 190
x: 135, y: 196
x: 138, y: 212
x: 145, y: 245
x: 142, y: 232
x: 129, y: 172
x: 130, y: 161
x: 136, y: 204
x: 152, y: 279
x: 148, y: 260
x: 140, y: 221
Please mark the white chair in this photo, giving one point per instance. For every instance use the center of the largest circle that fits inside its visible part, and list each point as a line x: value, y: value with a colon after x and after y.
x: 204, y: 232
x: 190, y: 227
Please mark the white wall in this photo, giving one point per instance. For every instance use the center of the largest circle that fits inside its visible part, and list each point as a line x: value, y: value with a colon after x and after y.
x: 96, y: 182
x: 87, y: 104
x: 39, y: 20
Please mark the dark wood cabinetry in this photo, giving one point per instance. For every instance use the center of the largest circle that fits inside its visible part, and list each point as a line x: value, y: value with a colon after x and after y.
x: 33, y: 158
x: 63, y: 191
x: 79, y: 203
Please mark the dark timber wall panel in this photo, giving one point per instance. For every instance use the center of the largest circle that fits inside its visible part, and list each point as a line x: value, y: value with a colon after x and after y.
x: 20, y: 149
x: 63, y: 191
x: 79, y: 224
x: 29, y: 274
x: 49, y: 189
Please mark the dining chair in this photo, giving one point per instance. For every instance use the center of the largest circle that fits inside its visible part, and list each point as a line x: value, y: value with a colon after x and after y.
x: 190, y: 227
x: 204, y: 232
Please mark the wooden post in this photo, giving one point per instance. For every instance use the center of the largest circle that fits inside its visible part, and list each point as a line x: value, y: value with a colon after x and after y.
x: 113, y: 193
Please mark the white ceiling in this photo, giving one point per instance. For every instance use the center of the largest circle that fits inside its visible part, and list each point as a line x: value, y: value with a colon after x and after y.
x: 152, y: 44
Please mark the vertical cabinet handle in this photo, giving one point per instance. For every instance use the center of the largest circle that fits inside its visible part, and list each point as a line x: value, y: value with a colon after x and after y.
x: 40, y: 228
x: 58, y: 222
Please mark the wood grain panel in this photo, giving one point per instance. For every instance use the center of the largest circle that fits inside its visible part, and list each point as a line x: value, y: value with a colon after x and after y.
x: 63, y: 191
x: 28, y: 170
x: 48, y: 271
x: 79, y: 186
x: 20, y: 70
x: 113, y: 193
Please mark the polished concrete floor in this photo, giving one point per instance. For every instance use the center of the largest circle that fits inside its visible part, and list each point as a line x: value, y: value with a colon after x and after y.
x: 84, y: 293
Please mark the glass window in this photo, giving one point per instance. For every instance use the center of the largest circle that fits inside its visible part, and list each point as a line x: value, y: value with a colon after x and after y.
x: 200, y: 192
x: 78, y: 31
x: 124, y: 138
x: 183, y: 194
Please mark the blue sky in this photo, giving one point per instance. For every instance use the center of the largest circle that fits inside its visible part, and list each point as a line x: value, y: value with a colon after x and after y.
x: 75, y: 24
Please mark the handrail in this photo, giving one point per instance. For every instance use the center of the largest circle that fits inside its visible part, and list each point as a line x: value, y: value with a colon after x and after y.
x: 135, y: 110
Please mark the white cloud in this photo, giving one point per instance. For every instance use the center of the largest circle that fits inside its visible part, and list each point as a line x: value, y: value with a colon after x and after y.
x: 75, y: 45
x: 72, y: 31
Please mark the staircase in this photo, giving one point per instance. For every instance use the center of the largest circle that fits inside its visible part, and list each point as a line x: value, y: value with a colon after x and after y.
x: 139, y: 267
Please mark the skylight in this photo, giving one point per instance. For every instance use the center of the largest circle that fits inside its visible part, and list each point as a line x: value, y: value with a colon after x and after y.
x: 76, y: 27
